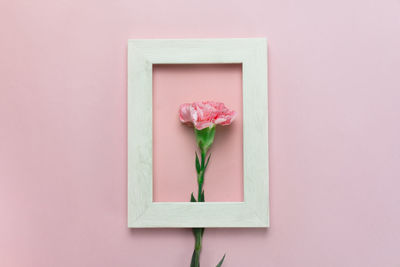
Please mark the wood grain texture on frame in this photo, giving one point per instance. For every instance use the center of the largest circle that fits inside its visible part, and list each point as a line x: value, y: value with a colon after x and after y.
x: 252, y: 54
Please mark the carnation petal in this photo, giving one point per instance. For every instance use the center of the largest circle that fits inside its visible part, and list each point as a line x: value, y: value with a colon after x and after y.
x: 206, y: 113
x: 184, y: 113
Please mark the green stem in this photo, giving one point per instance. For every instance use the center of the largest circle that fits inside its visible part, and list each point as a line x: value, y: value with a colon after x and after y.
x: 198, y: 232
x: 199, y: 193
x: 197, y: 247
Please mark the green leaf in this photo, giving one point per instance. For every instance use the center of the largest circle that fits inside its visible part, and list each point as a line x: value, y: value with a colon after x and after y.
x: 202, y: 232
x: 221, y: 261
x: 197, y: 163
x: 208, y: 159
x: 192, y: 199
x: 201, y: 196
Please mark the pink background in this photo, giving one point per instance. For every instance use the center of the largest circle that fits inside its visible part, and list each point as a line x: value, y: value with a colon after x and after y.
x: 334, y: 132
x: 174, y: 144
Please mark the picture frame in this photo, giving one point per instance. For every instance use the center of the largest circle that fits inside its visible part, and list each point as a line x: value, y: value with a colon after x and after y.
x: 254, y: 210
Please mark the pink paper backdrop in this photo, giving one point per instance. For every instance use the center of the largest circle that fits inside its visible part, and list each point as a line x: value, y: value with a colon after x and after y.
x: 334, y: 132
x: 174, y: 144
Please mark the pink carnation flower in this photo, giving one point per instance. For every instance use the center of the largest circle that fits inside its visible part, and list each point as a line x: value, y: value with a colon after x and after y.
x: 206, y: 114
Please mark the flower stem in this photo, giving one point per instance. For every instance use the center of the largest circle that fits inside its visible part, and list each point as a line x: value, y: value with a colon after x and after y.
x: 198, y: 232
x: 197, y: 247
x: 199, y: 193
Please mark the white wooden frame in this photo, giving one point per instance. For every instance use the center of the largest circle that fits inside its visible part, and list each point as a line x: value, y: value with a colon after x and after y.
x: 254, y: 210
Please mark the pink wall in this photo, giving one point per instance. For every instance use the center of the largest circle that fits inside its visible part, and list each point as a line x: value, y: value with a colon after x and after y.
x: 334, y: 132
x: 174, y: 144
